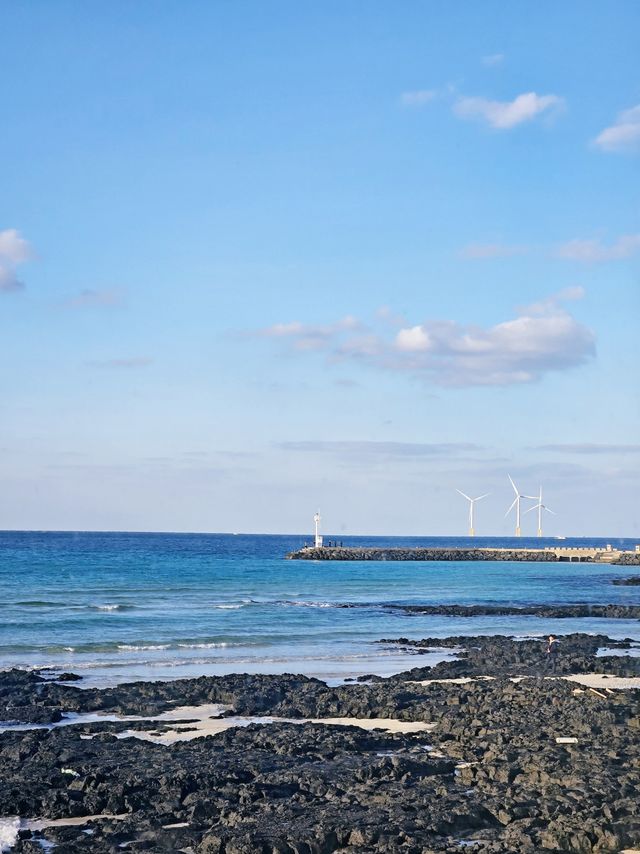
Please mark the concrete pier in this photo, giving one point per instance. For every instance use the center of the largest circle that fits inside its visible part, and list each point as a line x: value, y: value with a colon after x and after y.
x: 556, y: 554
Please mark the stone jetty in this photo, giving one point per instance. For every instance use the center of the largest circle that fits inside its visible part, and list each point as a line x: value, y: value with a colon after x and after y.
x: 549, y: 554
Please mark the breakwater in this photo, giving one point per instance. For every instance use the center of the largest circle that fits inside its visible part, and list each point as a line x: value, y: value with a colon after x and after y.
x: 549, y: 554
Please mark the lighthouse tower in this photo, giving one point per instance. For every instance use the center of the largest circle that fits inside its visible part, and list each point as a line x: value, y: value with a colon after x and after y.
x: 318, y: 538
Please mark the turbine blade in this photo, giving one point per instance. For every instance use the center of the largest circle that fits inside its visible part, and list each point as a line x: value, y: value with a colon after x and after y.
x: 512, y: 506
x: 482, y: 496
x: 532, y: 497
x: 464, y: 494
x: 515, y: 488
x: 535, y: 507
x: 544, y: 507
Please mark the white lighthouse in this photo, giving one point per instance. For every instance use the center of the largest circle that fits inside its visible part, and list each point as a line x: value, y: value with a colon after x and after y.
x: 318, y: 539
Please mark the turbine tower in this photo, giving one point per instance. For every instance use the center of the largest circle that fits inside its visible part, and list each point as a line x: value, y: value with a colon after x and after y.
x: 516, y: 504
x: 539, y: 507
x: 472, y: 501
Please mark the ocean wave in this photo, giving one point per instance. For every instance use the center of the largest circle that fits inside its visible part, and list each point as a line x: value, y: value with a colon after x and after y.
x: 143, y: 647
x: 121, y: 646
x: 9, y: 828
x: 45, y: 603
x: 223, y: 606
x: 215, y: 645
x: 109, y: 606
x: 289, y: 603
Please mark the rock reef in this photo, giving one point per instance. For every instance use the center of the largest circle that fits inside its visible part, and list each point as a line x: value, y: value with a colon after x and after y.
x: 490, y: 777
x: 609, y: 611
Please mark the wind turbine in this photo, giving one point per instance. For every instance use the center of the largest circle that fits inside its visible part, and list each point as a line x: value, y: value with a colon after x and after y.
x: 539, y: 507
x: 472, y: 501
x: 516, y: 504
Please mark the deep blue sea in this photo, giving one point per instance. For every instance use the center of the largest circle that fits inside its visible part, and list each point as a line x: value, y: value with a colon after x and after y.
x: 119, y: 606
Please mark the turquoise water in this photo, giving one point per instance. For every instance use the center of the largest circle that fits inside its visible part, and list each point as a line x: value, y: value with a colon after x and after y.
x: 126, y: 606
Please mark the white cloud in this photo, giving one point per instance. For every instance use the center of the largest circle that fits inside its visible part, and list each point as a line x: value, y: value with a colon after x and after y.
x: 507, y: 114
x: 492, y: 250
x: 624, y: 134
x: 413, y: 339
x: 418, y: 98
x: 493, y: 59
x: 14, y: 250
x: 594, y: 251
x: 542, y: 338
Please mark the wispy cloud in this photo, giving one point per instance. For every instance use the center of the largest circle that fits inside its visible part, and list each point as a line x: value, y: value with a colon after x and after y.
x: 504, y: 115
x: 308, y: 336
x: 121, y: 364
x: 417, y: 98
x: 589, y: 448
x: 493, y: 59
x: 90, y: 298
x: 542, y: 338
x: 397, y: 450
x: 14, y: 250
x: 595, y: 251
x: 623, y: 135
x: 492, y: 250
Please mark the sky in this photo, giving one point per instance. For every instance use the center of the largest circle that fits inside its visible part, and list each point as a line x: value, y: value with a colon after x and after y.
x: 259, y: 259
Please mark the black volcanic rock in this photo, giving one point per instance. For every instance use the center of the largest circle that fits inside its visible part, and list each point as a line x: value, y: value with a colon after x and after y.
x: 490, y: 777
x: 496, y: 655
x: 612, y: 611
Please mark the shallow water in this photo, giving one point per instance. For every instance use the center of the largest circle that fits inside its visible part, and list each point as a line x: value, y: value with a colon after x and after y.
x: 119, y: 607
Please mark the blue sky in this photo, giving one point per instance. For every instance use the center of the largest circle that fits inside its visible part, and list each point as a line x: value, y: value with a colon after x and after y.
x: 257, y: 258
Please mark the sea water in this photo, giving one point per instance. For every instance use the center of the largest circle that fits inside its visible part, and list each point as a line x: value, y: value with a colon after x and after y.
x: 118, y: 606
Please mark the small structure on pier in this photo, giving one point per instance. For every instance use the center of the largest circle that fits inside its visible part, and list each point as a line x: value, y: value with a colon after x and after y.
x: 318, y: 535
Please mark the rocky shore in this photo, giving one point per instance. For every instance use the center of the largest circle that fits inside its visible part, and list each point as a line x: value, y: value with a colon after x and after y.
x: 348, y: 553
x: 609, y: 611
x: 490, y: 777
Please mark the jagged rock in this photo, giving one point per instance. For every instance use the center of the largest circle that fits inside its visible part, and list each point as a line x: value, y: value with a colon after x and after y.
x: 490, y: 775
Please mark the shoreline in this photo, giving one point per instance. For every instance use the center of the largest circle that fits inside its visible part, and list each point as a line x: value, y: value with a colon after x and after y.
x: 517, y: 760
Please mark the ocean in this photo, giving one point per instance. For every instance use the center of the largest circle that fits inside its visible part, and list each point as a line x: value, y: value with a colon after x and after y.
x: 118, y: 607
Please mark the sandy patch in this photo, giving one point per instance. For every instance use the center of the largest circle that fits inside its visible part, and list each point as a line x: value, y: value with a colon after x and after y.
x: 600, y: 680
x: 590, y: 680
x: 76, y: 821
x: 207, y: 726
x: 456, y: 680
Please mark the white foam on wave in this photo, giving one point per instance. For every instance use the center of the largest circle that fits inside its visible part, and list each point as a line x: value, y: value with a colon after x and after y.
x: 226, y: 607
x: 220, y: 644
x: 130, y: 647
x: 108, y: 606
x: 303, y: 604
x: 9, y: 828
